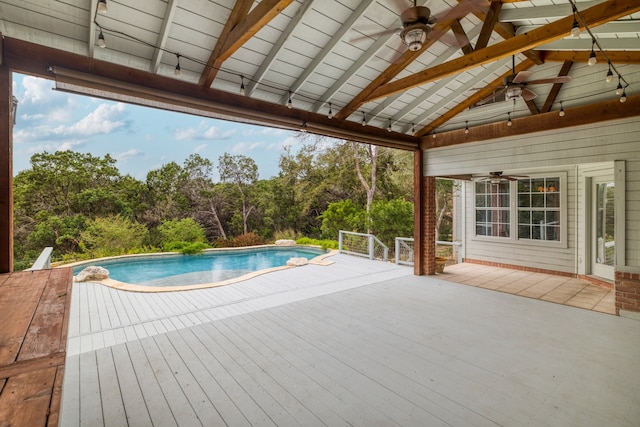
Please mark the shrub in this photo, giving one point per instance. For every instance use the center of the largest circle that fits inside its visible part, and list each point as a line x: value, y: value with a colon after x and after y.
x: 324, y: 243
x: 342, y: 215
x: 112, y: 235
x: 248, y: 239
x: 176, y: 232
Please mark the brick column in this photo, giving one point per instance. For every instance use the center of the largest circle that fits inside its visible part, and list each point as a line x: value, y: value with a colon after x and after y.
x: 428, y: 240
x: 627, y: 289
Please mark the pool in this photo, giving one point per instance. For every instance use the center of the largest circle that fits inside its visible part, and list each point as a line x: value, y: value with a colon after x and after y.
x: 209, y: 267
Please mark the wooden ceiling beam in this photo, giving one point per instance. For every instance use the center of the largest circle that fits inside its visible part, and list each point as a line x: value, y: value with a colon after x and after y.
x: 555, y: 89
x: 616, y: 57
x: 533, y: 108
x: 239, y: 12
x: 579, y: 116
x: 489, y: 24
x: 473, y: 99
x: 594, y: 16
x: 461, y: 37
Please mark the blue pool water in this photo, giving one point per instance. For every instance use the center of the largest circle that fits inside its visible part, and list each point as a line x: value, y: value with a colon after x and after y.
x: 208, y: 267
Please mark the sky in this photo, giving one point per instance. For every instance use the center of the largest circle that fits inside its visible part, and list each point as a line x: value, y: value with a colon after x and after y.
x: 139, y: 138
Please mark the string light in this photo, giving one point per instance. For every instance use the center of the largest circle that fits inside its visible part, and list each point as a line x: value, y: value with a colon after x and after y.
x: 434, y: 134
x: 102, y: 6
x: 330, y: 115
x: 241, y: 85
x: 364, y: 119
x: 619, y: 89
x: 413, y: 128
x: 466, y: 127
x: 389, y: 127
x: 303, y: 129
x: 592, y: 56
x: 561, y: 113
x: 575, y: 28
x: 623, y: 97
x: 509, y: 122
x: 101, y: 41
x: 609, y: 77
x: 289, y: 102
x: 177, y: 70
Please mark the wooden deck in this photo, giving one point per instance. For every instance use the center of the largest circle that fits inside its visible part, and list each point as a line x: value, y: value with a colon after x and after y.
x: 357, y: 343
x: 33, y: 337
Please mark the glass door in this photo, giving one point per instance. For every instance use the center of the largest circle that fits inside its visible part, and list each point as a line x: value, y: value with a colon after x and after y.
x: 603, y: 237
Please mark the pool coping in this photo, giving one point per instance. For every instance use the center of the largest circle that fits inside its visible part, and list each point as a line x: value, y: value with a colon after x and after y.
x: 123, y: 286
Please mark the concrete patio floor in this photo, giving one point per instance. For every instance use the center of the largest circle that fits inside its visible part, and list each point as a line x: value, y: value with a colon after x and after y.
x: 357, y: 343
x: 545, y: 287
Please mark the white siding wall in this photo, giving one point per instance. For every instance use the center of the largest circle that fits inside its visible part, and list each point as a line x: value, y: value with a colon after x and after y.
x: 578, y: 152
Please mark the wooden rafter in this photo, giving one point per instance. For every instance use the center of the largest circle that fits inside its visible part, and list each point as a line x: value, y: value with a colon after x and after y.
x: 555, y: 89
x: 489, y: 24
x: 239, y: 12
x: 473, y: 99
x: 617, y: 57
x: 240, y: 27
x: 611, y: 109
x: 594, y: 16
x: 533, y: 108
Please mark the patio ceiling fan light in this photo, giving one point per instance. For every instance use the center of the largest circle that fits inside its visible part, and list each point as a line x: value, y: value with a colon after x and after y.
x: 414, y: 36
x: 513, y: 92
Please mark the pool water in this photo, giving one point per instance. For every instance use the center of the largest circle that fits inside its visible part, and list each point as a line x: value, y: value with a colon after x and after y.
x: 208, y: 267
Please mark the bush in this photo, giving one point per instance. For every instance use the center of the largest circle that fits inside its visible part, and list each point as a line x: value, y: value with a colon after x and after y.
x: 342, y: 215
x: 288, y: 234
x: 391, y: 219
x: 248, y: 239
x: 178, y: 233
x: 112, y: 235
x: 324, y: 243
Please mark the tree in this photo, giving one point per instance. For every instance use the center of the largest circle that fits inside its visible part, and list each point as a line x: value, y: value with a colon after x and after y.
x: 184, y: 230
x: 391, y: 219
x: 342, y: 215
x: 241, y: 171
x: 444, y: 207
x: 112, y: 235
x: 369, y: 186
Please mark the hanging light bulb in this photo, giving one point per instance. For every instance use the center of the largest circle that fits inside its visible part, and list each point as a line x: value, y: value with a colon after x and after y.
x: 303, y: 129
x: 575, y: 28
x: 241, y: 85
x: 102, y: 6
x: 592, y: 56
x: 561, y: 113
x: 364, y: 119
x: 330, y: 115
x: 389, y: 127
x: 177, y: 70
x: 101, y: 41
x: 623, y: 97
x: 434, y: 134
x: 619, y: 89
x: 466, y: 127
x: 609, y: 77
x: 289, y: 102
x: 413, y: 128
x: 509, y: 122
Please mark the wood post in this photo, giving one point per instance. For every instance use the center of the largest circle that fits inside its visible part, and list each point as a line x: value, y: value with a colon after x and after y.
x: 6, y: 171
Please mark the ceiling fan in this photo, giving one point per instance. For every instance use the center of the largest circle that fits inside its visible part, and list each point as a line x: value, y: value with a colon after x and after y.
x: 417, y: 22
x: 515, y: 85
x: 498, y: 177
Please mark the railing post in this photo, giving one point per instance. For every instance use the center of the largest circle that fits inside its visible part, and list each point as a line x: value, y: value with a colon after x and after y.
x: 397, y: 251
x: 340, y: 241
x: 371, y: 248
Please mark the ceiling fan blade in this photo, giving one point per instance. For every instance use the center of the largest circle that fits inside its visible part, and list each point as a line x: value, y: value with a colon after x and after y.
x: 490, y: 97
x: 400, y: 5
x: 521, y: 76
x: 461, y: 10
x: 374, y: 35
x: 560, y: 79
x: 528, y: 94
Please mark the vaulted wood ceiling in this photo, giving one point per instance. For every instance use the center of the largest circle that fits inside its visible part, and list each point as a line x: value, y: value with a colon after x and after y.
x: 330, y: 55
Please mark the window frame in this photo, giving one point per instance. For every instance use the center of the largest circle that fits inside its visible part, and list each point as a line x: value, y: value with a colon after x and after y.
x: 514, y: 237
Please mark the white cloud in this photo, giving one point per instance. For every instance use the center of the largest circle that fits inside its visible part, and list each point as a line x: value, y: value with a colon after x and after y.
x: 36, y: 91
x: 202, y: 131
x: 245, y: 147
x: 104, y: 119
x: 52, y: 147
x: 127, y: 155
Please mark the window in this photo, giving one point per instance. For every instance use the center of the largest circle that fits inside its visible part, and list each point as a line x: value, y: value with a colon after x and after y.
x: 539, y: 208
x: 492, y: 209
x: 527, y: 210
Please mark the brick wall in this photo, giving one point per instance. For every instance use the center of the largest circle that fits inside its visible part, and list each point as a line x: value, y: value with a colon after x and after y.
x: 428, y: 240
x: 627, y: 289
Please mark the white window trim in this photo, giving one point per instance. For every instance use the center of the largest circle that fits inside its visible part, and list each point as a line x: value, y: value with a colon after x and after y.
x: 513, y: 215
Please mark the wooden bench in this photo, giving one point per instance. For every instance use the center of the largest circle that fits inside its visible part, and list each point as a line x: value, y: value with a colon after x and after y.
x: 34, y: 318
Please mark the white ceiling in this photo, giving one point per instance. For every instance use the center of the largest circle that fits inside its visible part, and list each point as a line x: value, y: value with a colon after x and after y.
x: 311, y: 49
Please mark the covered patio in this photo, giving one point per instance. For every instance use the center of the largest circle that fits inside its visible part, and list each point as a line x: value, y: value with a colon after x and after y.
x: 356, y: 343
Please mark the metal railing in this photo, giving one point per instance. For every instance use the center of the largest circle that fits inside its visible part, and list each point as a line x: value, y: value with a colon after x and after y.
x: 361, y: 244
x: 405, y: 253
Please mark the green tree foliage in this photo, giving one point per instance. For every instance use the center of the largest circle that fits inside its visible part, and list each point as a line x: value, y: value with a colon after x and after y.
x: 390, y: 219
x: 242, y: 172
x: 181, y: 231
x: 112, y: 235
x: 342, y: 215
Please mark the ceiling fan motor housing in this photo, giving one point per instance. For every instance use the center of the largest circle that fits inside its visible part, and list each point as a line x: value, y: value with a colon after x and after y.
x: 415, y: 21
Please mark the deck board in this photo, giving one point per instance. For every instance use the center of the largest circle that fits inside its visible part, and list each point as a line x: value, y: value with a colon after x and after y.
x: 34, y: 314
x: 359, y: 343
